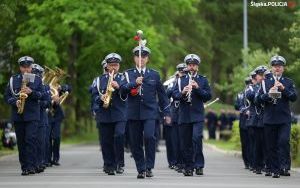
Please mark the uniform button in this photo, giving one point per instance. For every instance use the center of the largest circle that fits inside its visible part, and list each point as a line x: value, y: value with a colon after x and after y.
x: 142, y: 100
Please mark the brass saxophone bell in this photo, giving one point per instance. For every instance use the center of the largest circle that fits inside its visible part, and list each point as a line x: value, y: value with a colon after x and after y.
x: 109, y: 91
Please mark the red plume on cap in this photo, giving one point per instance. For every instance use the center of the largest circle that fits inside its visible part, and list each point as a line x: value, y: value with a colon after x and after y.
x: 134, y: 91
x: 136, y: 38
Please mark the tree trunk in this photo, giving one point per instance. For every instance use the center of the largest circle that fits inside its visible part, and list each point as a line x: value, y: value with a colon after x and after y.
x: 73, y: 105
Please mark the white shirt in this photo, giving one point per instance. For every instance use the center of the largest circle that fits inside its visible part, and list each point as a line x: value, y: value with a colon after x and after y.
x: 143, y: 69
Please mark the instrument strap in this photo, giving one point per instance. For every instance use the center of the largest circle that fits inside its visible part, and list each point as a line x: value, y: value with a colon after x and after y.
x: 98, y: 85
x: 263, y: 84
x: 126, y: 76
x: 179, y: 84
x: 11, y: 85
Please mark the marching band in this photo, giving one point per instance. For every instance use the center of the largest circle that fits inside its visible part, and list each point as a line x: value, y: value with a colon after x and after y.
x: 36, y: 96
x: 265, y: 119
x: 138, y: 99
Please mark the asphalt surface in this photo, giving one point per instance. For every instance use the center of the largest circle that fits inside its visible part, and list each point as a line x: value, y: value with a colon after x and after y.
x: 81, y: 168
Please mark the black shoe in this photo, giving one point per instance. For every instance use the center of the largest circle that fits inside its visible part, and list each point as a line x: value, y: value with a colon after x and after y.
x: 285, y: 173
x: 111, y: 172
x: 199, y: 171
x: 39, y: 170
x: 55, y: 163
x: 276, y: 175
x: 43, y: 166
x: 149, y: 173
x: 31, y: 171
x: 179, y: 170
x: 268, y: 173
x: 48, y: 165
x: 188, y: 173
x: 258, y: 172
x: 247, y: 167
x: 172, y: 167
x: 25, y: 173
x: 120, y: 170
x: 141, y: 175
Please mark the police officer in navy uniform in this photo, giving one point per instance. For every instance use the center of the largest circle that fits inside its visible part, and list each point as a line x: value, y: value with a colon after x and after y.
x: 258, y: 127
x: 193, y: 91
x: 95, y: 107
x: 112, y: 119
x: 252, y: 120
x: 45, y: 103
x: 45, y: 107
x: 242, y: 106
x: 56, y: 116
x: 174, y: 154
x: 223, y: 121
x: 25, y: 123
x: 144, y: 88
x: 277, y: 116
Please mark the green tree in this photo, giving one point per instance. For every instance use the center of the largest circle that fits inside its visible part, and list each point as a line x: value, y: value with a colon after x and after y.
x: 235, y: 81
x: 75, y: 35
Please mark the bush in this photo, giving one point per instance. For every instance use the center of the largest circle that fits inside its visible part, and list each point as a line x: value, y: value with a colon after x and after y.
x: 235, y: 135
x: 295, y: 141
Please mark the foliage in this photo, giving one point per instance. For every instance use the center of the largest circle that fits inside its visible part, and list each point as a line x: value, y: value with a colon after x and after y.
x: 76, y: 35
x: 235, y: 135
x: 294, y: 45
x: 253, y: 59
x: 295, y: 141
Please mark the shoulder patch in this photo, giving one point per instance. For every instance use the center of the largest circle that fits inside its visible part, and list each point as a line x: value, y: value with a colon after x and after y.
x: 129, y: 70
x: 16, y: 76
x: 287, y: 78
x: 154, y: 70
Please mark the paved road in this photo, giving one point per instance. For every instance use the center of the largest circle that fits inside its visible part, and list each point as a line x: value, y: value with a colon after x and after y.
x: 81, y: 168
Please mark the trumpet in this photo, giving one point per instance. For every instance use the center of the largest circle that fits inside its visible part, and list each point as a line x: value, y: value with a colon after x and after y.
x: 275, y: 94
x: 109, y: 90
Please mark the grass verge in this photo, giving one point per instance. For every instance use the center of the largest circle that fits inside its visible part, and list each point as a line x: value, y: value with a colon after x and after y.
x: 221, y: 144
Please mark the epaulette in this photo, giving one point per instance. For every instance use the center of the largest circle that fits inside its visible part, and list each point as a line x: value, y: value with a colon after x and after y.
x: 287, y: 78
x: 129, y: 70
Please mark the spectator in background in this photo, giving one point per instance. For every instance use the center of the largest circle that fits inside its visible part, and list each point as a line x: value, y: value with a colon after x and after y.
x: 223, y: 120
x: 211, y: 120
x: 231, y: 115
x: 223, y: 123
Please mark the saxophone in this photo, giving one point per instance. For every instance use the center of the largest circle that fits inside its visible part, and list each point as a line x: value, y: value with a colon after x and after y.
x: 22, y: 97
x: 109, y: 91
